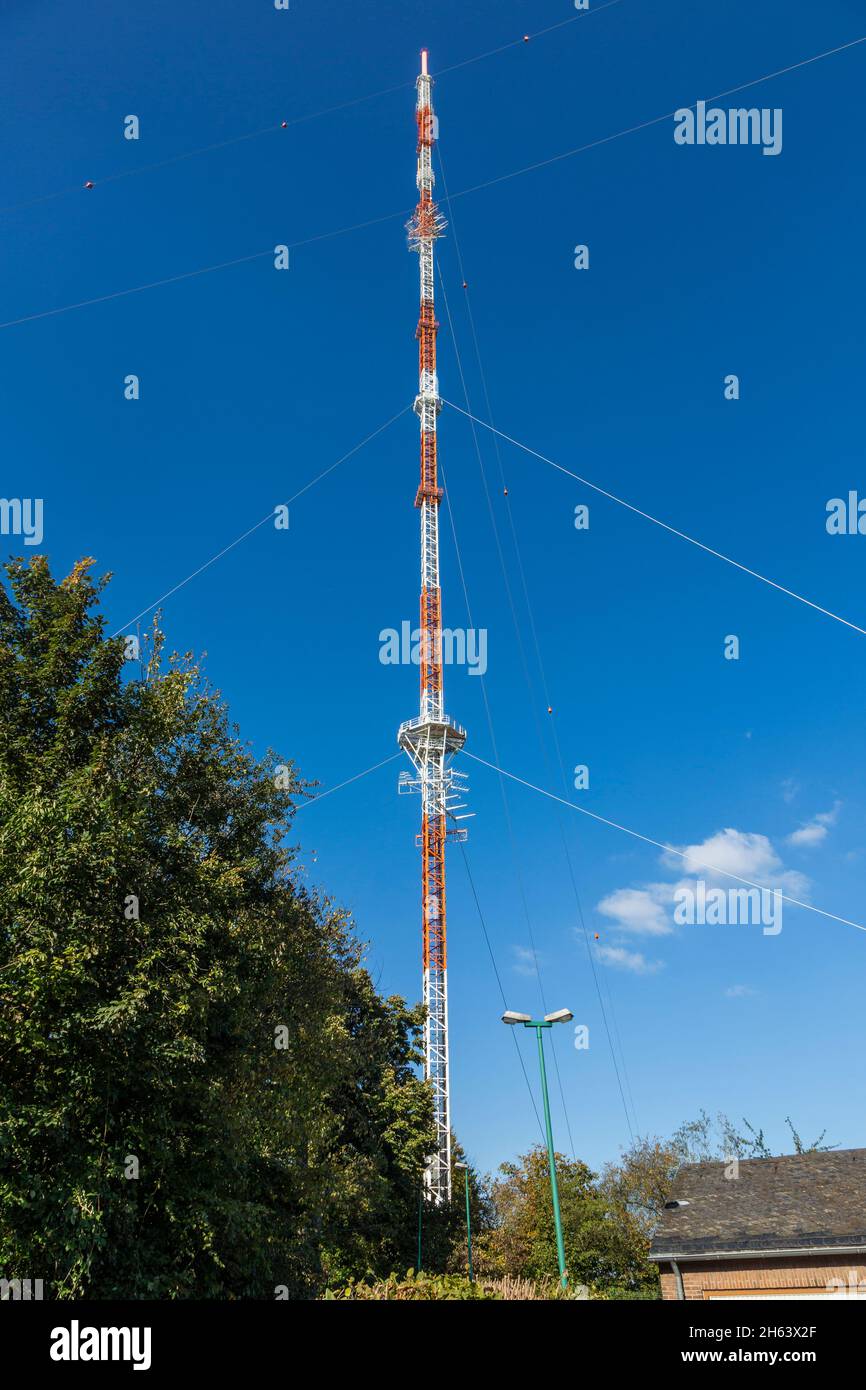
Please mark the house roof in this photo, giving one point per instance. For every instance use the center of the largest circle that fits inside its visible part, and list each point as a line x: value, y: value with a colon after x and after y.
x: 798, y: 1202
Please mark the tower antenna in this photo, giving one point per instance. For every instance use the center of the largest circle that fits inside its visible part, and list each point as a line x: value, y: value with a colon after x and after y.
x: 432, y: 739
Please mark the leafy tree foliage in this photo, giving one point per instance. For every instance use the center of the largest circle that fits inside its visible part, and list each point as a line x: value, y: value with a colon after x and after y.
x: 706, y: 1140
x: 443, y: 1227
x: 201, y: 1092
x: 598, y: 1249
x: 635, y: 1190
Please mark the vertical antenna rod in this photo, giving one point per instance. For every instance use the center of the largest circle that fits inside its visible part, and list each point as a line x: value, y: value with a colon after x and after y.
x: 432, y: 739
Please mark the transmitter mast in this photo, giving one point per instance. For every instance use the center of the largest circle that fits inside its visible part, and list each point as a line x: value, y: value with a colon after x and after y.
x: 431, y: 739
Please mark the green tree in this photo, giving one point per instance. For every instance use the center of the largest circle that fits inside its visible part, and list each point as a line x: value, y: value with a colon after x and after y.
x: 201, y: 1092
x: 443, y: 1227
x: 705, y: 1140
x: 523, y: 1241
x: 635, y: 1190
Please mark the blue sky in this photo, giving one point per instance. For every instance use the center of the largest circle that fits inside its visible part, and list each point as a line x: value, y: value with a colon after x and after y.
x: 703, y: 262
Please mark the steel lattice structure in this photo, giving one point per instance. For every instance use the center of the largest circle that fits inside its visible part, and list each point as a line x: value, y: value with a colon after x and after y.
x: 432, y: 738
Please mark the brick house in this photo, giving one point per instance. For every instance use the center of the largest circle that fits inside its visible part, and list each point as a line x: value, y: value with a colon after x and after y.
x: 789, y: 1227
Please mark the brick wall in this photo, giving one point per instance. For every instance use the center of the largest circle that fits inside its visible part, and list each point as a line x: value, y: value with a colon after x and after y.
x: 801, y: 1273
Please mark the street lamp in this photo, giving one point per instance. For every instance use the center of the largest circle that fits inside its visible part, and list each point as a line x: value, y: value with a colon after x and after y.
x: 465, y: 1167
x: 559, y: 1016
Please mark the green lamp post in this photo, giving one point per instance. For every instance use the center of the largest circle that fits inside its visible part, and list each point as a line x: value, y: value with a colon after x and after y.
x: 465, y: 1168
x: 560, y: 1016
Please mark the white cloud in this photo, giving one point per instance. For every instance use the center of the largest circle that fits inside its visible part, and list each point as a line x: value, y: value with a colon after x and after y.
x: 622, y: 959
x: 638, y: 910
x: 731, y: 851
x: 739, y: 854
x: 815, y: 831
x: 725, y: 858
x: 740, y: 992
x: 810, y: 834
x: 525, y: 962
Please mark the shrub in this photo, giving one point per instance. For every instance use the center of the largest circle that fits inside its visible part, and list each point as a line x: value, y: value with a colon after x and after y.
x: 414, y: 1286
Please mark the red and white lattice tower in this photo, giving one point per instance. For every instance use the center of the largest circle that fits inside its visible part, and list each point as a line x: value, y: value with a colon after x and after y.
x: 432, y: 738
